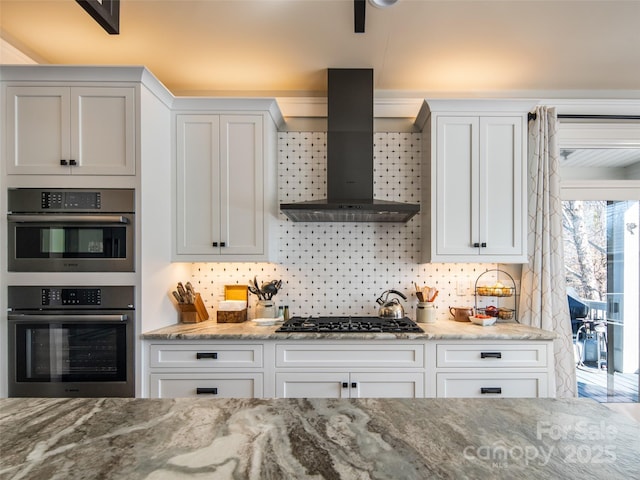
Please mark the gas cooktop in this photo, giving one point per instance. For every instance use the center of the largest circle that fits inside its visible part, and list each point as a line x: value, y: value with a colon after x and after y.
x: 349, y: 324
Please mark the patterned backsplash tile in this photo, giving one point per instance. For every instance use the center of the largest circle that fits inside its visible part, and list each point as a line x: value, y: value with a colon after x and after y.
x: 341, y: 268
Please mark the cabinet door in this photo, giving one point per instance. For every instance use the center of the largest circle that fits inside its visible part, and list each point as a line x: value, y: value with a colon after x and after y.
x: 457, y: 185
x: 103, y: 130
x: 37, y: 130
x: 220, y: 194
x: 313, y: 385
x: 501, y: 187
x: 480, y: 189
x: 241, y: 185
x: 387, y: 385
x: 197, y: 195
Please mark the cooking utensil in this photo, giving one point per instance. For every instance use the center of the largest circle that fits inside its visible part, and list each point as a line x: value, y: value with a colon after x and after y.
x: 390, y: 308
x: 181, y: 290
x: 177, y: 296
x: 269, y: 290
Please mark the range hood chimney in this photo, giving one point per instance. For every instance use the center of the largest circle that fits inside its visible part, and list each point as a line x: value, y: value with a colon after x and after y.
x: 350, y: 158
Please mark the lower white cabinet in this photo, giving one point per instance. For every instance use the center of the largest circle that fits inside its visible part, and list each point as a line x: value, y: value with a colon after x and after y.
x: 349, y: 369
x: 202, y: 369
x: 349, y: 385
x: 497, y: 369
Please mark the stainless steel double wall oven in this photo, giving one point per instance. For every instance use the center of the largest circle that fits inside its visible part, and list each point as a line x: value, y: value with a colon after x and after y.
x: 71, y: 341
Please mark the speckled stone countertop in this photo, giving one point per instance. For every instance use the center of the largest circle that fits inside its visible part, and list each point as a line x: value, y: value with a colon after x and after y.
x: 441, y: 330
x: 157, y: 439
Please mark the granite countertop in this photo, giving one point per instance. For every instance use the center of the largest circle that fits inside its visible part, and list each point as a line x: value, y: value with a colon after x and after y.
x: 157, y: 439
x: 441, y: 330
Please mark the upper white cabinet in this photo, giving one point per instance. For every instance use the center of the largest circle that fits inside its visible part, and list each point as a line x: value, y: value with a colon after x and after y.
x: 225, y: 186
x: 475, y: 183
x: 61, y: 130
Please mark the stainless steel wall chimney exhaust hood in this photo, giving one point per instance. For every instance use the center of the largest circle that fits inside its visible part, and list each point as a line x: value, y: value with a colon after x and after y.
x: 350, y: 158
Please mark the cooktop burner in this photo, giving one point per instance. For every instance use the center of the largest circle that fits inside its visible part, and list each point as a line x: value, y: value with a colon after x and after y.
x: 349, y: 324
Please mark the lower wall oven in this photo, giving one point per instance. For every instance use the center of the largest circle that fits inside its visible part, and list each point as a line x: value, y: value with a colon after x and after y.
x: 71, y: 341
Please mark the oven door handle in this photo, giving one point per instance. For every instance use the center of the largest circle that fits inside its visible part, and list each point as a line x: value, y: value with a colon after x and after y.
x: 68, y: 318
x: 48, y: 218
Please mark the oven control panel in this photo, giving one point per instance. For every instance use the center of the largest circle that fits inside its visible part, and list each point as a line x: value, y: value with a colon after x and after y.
x: 71, y: 296
x: 63, y: 200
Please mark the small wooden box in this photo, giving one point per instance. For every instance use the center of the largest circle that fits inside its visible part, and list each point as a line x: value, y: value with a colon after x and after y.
x: 232, y: 317
x: 193, y: 312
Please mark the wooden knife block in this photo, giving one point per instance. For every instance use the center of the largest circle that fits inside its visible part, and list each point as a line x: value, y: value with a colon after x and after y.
x: 193, y: 312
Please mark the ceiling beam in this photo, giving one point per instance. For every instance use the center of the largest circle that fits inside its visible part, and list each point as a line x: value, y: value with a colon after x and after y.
x: 359, y: 11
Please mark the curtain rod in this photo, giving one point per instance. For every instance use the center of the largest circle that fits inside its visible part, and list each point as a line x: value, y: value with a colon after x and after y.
x: 532, y: 116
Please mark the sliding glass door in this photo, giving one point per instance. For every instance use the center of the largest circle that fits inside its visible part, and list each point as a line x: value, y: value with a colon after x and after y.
x: 602, y: 260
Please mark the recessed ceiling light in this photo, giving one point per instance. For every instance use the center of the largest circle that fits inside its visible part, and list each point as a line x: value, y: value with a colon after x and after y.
x: 382, y: 3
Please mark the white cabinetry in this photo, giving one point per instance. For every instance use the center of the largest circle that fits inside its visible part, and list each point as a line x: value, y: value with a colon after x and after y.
x: 225, y: 187
x: 500, y: 369
x: 59, y: 130
x: 475, y: 186
x: 341, y: 370
x: 180, y: 369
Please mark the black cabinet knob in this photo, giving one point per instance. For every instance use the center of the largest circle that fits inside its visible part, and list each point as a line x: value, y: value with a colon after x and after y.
x: 215, y: 244
x: 354, y: 385
x: 73, y: 163
x: 63, y: 163
x: 345, y: 385
x: 476, y: 245
x: 483, y: 244
x: 222, y: 244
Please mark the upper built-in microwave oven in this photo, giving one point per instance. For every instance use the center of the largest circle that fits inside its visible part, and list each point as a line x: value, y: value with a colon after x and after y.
x: 70, y: 230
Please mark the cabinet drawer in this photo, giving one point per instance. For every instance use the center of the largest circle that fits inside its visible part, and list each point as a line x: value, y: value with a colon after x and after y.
x: 353, y: 356
x: 222, y: 385
x: 479, y: 385
x: 491, y: 355
x: 205, y: 356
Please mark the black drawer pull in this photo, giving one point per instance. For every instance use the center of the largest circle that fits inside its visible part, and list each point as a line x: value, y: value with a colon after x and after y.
x: 201, y: 355
x: 484, y: 390
x: 73, y: 163
x: 483, y: 245
x: 63, y: 163
x: 490, y: 354
x: 203, y: 391
x: 223, y: 244
x: 215, y: 244
x: 476, y: 245
x: 345, y: 385
x: 354, y: 384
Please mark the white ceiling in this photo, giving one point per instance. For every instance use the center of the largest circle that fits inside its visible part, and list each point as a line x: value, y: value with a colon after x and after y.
x: 283, y: 48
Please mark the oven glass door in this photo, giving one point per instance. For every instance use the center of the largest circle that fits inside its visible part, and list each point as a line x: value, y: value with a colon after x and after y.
x: 70, y: 241
x: 71, y: 351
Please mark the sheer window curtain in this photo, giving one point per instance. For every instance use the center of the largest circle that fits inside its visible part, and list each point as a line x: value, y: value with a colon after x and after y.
x: 543, y: 300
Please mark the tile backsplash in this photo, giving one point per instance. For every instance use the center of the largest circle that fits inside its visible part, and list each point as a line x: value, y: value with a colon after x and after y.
x: 341, y: 268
